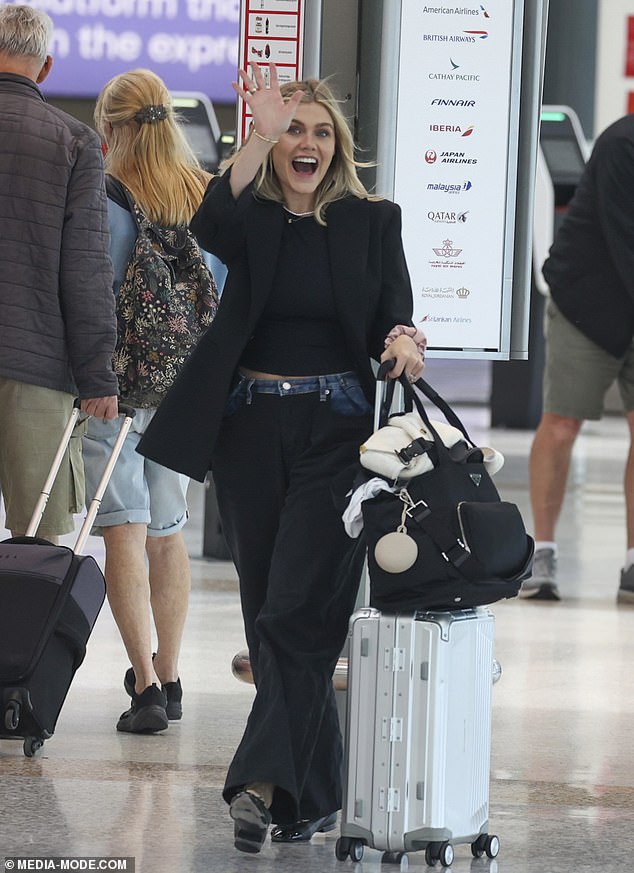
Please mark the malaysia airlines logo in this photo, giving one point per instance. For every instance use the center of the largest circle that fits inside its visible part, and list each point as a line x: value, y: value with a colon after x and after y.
x: 450, y: 187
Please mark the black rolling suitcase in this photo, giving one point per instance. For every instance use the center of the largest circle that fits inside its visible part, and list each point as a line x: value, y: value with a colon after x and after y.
x: 50, y: 597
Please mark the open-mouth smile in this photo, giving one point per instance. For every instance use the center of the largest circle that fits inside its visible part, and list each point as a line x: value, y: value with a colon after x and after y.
x: 305, y: 166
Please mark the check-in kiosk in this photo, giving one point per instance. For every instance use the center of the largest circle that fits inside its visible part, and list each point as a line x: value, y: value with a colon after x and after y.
x: 200, y: 125
x: 516, y: 386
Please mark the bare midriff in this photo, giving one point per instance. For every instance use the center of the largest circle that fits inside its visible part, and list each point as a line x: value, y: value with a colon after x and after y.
x: 256, y: 374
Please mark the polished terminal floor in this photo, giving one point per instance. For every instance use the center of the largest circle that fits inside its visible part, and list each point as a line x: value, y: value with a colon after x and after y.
x: 562, y: 769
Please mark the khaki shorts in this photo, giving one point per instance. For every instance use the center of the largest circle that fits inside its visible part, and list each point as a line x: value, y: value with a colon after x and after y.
x: 32, y: 420
x: 578, y: 373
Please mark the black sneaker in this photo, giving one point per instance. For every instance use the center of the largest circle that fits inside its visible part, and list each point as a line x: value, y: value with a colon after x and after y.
x: 147, y: 714
x: 251, y: 821
x: 172, y: 691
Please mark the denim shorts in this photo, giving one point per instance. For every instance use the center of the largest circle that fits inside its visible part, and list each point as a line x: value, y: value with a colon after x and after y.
x: 140, y: 491
x: 342, y: 391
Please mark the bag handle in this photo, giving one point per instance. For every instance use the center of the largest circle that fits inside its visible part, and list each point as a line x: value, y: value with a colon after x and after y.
x: 413, y: 400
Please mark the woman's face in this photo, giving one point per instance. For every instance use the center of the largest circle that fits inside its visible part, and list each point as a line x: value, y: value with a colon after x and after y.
x: 302, y: 156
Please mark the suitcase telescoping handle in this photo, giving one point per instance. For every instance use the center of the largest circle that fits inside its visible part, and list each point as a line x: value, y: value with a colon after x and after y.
x: 128, y: 412
x: 380, y: 391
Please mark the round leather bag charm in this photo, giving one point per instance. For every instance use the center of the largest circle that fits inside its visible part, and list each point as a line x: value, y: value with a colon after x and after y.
x: 396, y: 552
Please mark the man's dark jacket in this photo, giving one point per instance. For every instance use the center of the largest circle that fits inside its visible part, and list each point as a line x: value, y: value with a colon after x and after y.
x: 590, y: 268
x: 57, y: 321
x: 371, y: 288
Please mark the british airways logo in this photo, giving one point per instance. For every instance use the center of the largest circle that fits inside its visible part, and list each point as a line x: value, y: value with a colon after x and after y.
x: 467, y: 36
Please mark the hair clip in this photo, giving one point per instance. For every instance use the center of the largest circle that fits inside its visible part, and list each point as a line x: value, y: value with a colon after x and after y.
x: 151, y: 114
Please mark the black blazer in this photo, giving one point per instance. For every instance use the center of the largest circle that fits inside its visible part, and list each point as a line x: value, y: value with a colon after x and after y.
x: 372, y: 293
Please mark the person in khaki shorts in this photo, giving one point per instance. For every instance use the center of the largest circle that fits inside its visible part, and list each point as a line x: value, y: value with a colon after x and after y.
x: 589, y: 343
x: 56, y: 304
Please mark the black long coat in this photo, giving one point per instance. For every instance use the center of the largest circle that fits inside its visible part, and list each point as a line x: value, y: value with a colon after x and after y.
x: 372, y: 293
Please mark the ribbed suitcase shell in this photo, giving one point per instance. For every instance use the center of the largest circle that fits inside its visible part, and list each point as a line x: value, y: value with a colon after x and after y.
x: 418, y: 728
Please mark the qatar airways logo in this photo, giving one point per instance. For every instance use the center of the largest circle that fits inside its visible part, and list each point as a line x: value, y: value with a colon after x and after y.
x: 444, y: 217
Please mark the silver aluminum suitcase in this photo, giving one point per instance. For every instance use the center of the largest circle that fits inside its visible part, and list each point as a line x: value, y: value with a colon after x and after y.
x: 418, y: 730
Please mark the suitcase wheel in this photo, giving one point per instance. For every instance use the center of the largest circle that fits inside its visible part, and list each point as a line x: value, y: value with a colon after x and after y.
x: 487, y: 844
x: 31, y: 745
x: 348, y: 847
x: 442, y: 852
x: 400, y: 858
x: 12, y: 715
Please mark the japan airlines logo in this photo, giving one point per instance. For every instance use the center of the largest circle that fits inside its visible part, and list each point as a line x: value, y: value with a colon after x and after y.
x: 430, y: 156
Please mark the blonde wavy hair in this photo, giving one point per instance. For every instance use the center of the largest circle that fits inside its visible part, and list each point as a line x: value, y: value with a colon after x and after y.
x: 341, y: 179
x: 147, y: 149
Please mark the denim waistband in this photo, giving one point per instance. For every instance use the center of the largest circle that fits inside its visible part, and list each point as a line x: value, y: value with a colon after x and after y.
x: 299, y: 384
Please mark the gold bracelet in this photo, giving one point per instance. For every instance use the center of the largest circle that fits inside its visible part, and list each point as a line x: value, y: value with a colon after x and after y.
x: 264, y: 138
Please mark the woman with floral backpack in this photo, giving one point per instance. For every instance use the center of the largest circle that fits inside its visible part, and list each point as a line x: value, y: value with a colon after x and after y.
x: 166, y: 297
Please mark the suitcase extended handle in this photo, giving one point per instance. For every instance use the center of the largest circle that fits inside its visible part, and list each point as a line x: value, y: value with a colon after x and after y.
x: 128, y: 412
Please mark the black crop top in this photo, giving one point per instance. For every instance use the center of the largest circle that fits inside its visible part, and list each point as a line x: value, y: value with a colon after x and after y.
x: 299, y: 333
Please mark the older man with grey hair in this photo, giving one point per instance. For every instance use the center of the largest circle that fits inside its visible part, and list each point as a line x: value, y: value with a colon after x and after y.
x: 57, y: 319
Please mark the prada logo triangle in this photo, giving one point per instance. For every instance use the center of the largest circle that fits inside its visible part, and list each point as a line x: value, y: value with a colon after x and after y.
x: 476, y: 478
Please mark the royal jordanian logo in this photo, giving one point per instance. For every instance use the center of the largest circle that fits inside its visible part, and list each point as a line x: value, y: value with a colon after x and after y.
x: 463, y: 293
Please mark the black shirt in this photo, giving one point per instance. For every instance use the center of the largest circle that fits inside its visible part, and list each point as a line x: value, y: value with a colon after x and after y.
x: 299, y: 333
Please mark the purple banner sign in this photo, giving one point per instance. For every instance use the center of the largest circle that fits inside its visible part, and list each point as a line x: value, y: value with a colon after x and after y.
x: 191, y: 44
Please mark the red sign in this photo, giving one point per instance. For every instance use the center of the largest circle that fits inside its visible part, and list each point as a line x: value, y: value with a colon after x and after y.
x: 271, y: 33
x: 629, y: 51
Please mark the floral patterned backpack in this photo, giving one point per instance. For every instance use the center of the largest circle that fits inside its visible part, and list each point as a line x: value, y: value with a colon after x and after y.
x: 167, y: 299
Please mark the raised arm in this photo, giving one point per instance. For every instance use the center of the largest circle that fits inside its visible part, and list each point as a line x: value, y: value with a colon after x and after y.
x: 271, y: 118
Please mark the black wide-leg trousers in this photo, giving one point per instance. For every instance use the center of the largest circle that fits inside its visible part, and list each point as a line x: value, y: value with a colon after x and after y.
x: 299, y: 573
